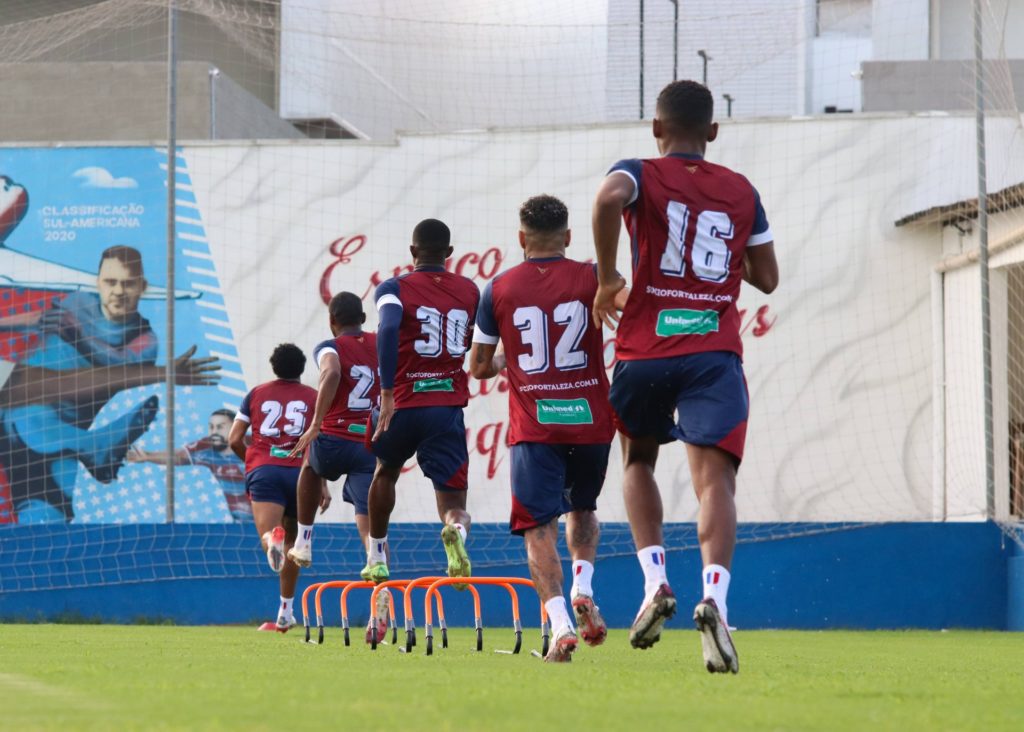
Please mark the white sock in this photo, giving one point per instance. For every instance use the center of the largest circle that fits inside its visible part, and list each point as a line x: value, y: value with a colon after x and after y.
x: 716, y: 586
x: 558, y: 615
x: 582, y: 575
x: 285, y: 610
x: 375, y: 550
x: 305, y: 536
x: 462, y: 531
x: 652, y: 561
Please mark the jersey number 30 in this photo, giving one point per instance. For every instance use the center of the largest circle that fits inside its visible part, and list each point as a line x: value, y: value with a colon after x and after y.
x: 439, y: 330
x: 709, y: 253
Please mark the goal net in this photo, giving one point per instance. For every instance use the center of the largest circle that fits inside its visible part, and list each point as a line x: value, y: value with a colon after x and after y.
x: 313, y: 135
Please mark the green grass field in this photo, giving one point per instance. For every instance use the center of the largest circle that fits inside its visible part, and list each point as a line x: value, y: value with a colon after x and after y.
x: 163, y: 677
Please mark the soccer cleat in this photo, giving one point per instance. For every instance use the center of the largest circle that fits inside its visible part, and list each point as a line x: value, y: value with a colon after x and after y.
x: 302, y: 557
x: 283, y: 625
x: 455, y: 549
x: 379, y: 622
x: 646, y: 630
x: 562, y: 647
x: 274, y: 540
x: 376, y: 573
x: 112, y: 441
x: 588, y: 617
x: 719, y: 653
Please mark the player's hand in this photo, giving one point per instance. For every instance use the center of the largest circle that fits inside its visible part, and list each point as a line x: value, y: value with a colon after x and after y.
x: 136, y: 455
x: 325, y: 496
x: 189, y: 371
x: 498, y: 360
x: 305, y: 440
x: 605, y: 312
x: 387, y: 411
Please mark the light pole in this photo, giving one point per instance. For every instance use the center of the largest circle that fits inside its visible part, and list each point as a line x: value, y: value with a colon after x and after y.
x: 675, y: 39
x: 641, y: 59
x: 728, y: 104
x: 704, y: 55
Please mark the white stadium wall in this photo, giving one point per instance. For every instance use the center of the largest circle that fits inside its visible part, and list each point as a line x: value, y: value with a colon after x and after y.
x: 839, y: 359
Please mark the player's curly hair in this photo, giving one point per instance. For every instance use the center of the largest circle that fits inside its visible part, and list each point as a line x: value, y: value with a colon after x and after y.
x: 544, y: 214
x: 346, y: 309
x: 288, y: 361
x: 229, y: 413
x: 687, y: 105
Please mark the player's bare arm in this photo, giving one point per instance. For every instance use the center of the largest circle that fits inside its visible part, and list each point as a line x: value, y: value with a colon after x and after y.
x: 615, y: 193
x: 37, y: 385
x: 159, y: 457
x: 236, y: 438
x: 327, y: 388
x: 486, y: 360
x: 760, y: 267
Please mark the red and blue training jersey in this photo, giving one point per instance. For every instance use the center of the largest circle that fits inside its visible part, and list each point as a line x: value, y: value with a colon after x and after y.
x: 425, y: 321
x: 359, y: 389
x: 540, y: 310
x: 279, y: 412
x: 689, y: 223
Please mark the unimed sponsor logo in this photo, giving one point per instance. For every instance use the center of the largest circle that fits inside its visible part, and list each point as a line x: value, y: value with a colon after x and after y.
x: 687, y: 322
x: 433, y: 385
x: 564, y: 411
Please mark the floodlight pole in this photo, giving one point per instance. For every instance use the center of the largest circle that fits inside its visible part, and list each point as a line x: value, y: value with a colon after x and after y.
x: 704, y: 55
x: 986, y: 314
x: 172, y: 164
x: 675, y: 39
x: 641, y: 59
x: 728, y: 104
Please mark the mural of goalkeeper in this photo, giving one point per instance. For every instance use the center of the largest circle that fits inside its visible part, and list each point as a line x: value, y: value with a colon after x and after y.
x: 87, y: 346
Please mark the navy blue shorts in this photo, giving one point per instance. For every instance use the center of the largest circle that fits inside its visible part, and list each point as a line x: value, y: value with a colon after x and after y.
x: 332, y: 457
x: 549, y: 480
x: 706, y: 391
x: 274, y: 484
x: 436, y: 435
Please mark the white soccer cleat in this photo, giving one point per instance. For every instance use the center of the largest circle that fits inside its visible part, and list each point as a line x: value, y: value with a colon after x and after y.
x: 274, y: 540
x: 646, y: 630
x: 593, y: 629
x: 562, y: 647
x: 379, y: 622
x: 716, y: 642
x: 283, y: 625
x: 302, y: 557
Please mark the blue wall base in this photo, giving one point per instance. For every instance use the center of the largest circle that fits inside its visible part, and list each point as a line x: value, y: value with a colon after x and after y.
x: 910, y: 575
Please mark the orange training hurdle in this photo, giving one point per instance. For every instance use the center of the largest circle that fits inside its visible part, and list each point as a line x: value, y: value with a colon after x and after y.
x: 506, y: 582
x: 407, y: 586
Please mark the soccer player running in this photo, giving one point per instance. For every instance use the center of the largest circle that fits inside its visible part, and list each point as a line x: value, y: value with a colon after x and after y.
x: 560, y: 423
x: 334, y: 441
x: 280, y: 409
x: 697, y: 230
x: 422, y: 338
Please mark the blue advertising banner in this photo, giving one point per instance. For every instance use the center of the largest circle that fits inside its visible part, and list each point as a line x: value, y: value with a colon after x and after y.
x: 83, y: 307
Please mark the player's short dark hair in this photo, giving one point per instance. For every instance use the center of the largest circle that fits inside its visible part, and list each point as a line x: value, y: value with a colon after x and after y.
x: 544, y: 214
x: 288, y: 361
x: 432, y: 236
x: 230, y: 414
x: 687, y: 105
x: 346, y: 309
x: 128, y: 256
